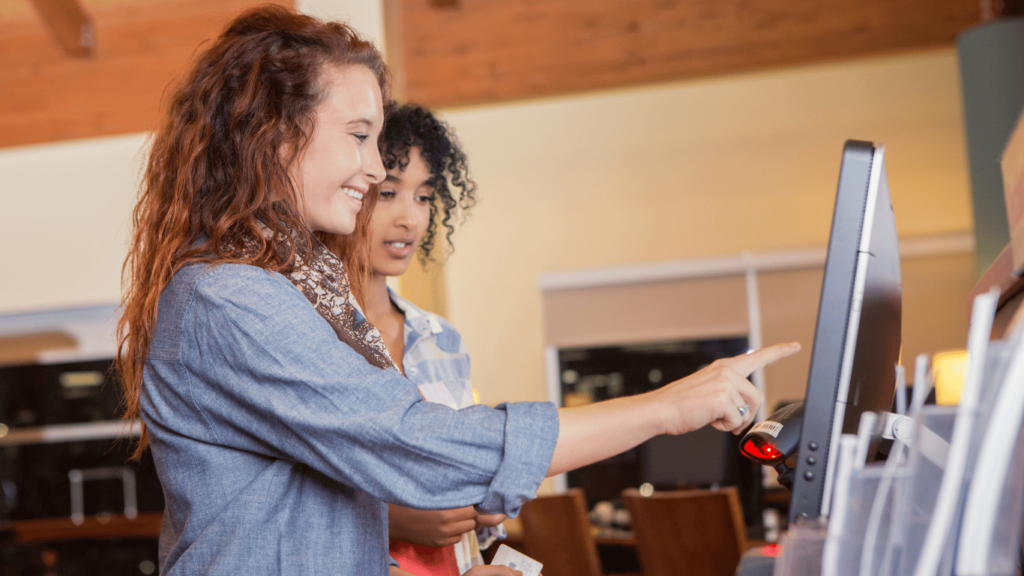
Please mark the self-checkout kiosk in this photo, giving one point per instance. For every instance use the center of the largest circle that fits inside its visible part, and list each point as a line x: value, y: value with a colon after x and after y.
x: 948, y: 498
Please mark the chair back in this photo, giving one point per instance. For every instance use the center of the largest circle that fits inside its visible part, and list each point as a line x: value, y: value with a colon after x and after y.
x: 691, y: 532
x: 557, y: 533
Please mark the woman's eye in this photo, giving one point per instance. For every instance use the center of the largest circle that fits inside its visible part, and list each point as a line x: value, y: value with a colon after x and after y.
x: 425, y: 198
x: 388, y: 194
x: 361, y: 137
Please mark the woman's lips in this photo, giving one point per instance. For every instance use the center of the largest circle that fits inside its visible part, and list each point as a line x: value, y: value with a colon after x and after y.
x: 399, y: 249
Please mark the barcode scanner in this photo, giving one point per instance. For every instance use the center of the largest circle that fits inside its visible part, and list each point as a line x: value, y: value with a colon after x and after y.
x: 774, y: 440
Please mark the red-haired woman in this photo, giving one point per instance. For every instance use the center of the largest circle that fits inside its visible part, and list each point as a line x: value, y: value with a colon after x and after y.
x: 278, y: 423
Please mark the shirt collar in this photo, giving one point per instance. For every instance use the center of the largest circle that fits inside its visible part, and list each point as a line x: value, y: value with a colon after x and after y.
x: 422, y: 322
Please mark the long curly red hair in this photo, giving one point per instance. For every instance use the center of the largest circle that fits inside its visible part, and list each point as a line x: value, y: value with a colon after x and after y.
x: 218, y: 165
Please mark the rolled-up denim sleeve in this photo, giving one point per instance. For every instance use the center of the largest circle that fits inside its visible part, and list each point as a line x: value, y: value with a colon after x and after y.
x: 268, y: 375
x: 521, y: 447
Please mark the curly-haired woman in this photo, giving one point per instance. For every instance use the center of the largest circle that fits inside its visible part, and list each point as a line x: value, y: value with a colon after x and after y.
x: 427, y: 186
x: 278, y: 423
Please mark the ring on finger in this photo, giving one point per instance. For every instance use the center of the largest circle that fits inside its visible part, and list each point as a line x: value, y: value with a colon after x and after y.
x: 743, y: 410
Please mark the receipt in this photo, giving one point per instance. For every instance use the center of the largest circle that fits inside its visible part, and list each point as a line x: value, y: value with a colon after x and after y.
x: 515, y: 560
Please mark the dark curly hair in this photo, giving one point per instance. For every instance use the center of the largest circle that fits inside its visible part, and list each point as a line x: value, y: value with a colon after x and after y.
x: 412, y: 126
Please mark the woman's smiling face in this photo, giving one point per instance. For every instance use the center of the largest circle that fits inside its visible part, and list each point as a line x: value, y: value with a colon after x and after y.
x: 401, y: 216
x: 341, y: 162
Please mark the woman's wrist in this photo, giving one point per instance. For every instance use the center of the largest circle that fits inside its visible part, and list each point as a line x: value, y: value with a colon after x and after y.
x: 591, y: 433
x: 659, y: 412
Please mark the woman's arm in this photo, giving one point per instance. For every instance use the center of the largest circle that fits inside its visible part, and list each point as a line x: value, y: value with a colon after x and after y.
x: 435, y: 528
x: 712, y: 395
x: 474, y: 571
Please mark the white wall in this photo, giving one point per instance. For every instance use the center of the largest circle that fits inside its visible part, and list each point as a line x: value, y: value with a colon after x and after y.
x: 66, y: 210
x: 366, y: 16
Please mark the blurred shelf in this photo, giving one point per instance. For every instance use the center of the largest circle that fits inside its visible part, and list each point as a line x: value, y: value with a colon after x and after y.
x: 145, y: 525
x: 613, y: 537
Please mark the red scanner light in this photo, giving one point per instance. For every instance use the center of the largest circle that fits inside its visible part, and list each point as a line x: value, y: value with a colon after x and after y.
x: 758, y: 449
x: 772, y: 550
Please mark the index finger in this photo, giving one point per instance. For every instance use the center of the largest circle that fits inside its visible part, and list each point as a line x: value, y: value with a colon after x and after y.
x: 464, y: 513
x: 490, y: 519
x: 747, y: 363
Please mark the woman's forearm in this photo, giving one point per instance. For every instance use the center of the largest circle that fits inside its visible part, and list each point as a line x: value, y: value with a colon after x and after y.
x: 588, y: 434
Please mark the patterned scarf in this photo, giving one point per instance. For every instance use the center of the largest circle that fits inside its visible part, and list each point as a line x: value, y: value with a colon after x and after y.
x: 324, y: 282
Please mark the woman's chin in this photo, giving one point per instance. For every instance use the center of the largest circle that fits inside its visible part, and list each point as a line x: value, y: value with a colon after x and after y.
x: 340, y: 226
x: 337, y: 231
x: 391, y: 268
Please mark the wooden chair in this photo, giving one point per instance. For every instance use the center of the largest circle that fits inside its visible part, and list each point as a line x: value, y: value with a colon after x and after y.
x: 557, y: 533
x: 691, y: 532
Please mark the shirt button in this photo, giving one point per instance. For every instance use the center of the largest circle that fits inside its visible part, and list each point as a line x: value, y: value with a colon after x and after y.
x: 412, y: 370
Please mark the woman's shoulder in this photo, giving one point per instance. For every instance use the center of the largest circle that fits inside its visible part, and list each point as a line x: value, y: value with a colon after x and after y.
x: 224, y: 273
x: 219, y: 296
x: 233, y: 301
x: 228, y: 283
x: 203, y: 275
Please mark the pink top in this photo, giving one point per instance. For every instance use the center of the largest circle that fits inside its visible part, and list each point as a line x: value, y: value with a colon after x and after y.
x: 424, y: 560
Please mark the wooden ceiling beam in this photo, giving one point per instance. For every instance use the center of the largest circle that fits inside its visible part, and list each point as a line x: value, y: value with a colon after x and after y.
x: 146, y: 45
x: 69, y: 25
x: 481, y: 51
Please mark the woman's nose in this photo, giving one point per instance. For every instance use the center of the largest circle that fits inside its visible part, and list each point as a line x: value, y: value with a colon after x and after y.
x: 406, y: 216
x: 375, y: 167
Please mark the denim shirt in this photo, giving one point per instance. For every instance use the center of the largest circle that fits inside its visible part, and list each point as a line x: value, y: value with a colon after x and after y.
x: 277, y: 445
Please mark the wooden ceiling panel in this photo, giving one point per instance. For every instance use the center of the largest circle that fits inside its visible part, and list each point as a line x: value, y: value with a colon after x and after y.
x: 141, y: 47
x: 477, y: 51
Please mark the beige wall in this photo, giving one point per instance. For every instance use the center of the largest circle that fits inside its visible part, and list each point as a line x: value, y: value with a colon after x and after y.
x: 935, y: 315
x: 685, y: 170
x: 708, y: 300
